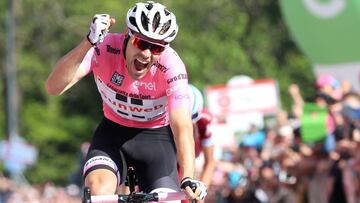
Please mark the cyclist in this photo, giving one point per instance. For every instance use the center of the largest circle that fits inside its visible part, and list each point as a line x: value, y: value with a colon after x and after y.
x: 144, y: 87
x: 204, y: 142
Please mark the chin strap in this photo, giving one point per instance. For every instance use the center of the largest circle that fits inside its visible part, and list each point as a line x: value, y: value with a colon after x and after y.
x: 126, y: 40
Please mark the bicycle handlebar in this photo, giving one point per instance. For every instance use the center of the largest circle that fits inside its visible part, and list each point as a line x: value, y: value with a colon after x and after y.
x: 133, y: 198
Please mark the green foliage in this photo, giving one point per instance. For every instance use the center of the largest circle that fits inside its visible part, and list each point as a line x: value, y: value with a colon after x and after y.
x: 217, y: 40
x: 57, y: 137
x: 2, y: 106
x: 2, y: 71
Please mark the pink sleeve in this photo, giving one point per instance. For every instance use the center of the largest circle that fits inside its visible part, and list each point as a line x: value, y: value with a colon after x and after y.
x: 180, y: 98
x: 177, y: 92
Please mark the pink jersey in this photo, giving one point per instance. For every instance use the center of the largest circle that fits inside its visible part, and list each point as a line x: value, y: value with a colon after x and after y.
x: 141, y: 103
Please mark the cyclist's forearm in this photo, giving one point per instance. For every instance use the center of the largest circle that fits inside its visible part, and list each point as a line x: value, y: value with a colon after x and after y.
x: 209, y: 166
x: 182, y: 130
x: 186, y: 156
x: 66, y: 71
x: 207, y: 174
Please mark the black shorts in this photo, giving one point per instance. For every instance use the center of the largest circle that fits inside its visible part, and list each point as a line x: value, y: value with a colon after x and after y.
x: 151, y: 152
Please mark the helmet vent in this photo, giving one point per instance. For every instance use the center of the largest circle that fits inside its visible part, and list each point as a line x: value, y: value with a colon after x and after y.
x: 144, y: 21
x: 173, y: 33
x: 156, y: 21
x: 165, y: 27
x: 149, y: 6
x: 132, y: 20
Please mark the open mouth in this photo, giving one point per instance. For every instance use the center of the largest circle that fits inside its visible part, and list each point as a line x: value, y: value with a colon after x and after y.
x: 140, y: 65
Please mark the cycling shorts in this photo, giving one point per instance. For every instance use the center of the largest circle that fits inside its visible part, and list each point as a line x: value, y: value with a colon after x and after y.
x: 151, y: 152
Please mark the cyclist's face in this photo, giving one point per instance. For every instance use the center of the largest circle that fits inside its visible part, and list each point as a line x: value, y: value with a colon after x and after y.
x: 140, y: 56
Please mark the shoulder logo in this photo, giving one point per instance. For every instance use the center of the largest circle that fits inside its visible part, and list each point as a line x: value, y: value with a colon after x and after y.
x: 112, y: 49
x: 181, y: 76
x: 117, y: 79
x: 161, y: 67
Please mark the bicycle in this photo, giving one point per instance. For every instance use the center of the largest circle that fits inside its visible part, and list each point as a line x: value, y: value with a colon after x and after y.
x: 133, y: 197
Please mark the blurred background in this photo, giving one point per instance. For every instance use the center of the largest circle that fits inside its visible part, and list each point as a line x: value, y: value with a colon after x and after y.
x: 261, y: 55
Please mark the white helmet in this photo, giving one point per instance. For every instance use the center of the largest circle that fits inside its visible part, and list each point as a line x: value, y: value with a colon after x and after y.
x: 152, y: 20
x: 197, y: 102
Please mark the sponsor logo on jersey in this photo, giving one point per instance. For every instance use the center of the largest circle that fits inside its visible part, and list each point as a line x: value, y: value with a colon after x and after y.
x: 132, y: 106
x: 136, y: 108
x: 116, y: 89
x: 182, y: 96
x: 126, y: 94
x: 112, y: 49
x: 117, y: 79
x: 172, y: 90
x: 147, y: 86
x: 181, y: 76
x: 161, y: 67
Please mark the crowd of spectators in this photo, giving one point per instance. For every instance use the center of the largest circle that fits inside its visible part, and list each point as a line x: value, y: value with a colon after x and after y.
x: 278, y: 165
x: 20, y: 192
x: 269, y: 165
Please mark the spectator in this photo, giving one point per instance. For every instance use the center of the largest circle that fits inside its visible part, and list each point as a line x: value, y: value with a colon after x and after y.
x: 204, y: 143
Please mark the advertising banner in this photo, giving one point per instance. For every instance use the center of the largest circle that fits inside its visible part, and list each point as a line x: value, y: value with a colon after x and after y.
x: 327, y: 31
x: 260, y: 96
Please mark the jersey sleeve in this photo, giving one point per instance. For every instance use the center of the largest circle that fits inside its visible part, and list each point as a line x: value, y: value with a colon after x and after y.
x: 177, y: 92
x: 206, y: 137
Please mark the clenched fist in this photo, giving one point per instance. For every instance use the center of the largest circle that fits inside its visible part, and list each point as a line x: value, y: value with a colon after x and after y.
x: 99, y: 27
